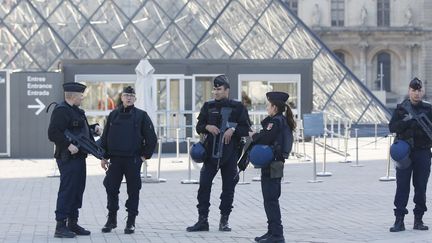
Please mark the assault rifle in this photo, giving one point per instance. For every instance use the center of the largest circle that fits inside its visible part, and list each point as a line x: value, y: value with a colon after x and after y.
x: 85, y: 144
x: 421, y: 118
x: 217, y: 151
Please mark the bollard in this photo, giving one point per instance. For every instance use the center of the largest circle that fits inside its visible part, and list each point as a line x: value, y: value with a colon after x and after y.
x: 376, y: 131
x: 243, y: 182
x: 258, y: 177
x: 177, y: 160
x: 324, y: 172
x: 54, y: 170
x: 345, y: 147
x: 189, y: 180
x: 357, y: 152
x: 157, y: 179
x: 332, y: 130
x: 387, y: 177
x: 314, y: 180
x: 339, y: 133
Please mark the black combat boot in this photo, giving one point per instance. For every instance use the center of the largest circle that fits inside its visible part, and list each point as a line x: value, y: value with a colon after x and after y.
x: 398, y: 224
x: 62, y: 231
x: 201, y: 225
x: 418, y: 223
x: 223, y: 223
x: 111, y: 222
x: 273, y: 239
x: 130, y: 225
x: 262, y: 237
x: 74, y: 227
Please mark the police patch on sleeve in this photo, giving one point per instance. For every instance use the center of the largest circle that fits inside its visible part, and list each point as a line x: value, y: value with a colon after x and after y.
x: 269, y: 126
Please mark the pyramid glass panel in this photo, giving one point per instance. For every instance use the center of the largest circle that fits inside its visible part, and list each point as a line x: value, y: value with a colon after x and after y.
x: 171, y: 8
x: 66, y: 21
x: 277, y: 22
x: 373, y: 114
x: 24, y: 61
x: 129, y: 7
x: 23, y: 21
x: 259, y: 44
x: 6, y: 7
x: 236, y: 21
x: 355, y: 100
x: 131, y: 44
x: 320, y: 98
x: 327, y: 72
x: 45, y: 44
x: 192, y: 23
x: 9, y: 46
x: 109, y: 21
x: 88, y: 44
x: 46, y: 8
x: 301, y: 45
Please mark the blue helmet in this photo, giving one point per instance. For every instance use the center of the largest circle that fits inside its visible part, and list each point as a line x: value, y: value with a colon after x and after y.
x: 399, y: 152
x: 198, y: 153
x: 261, y: 155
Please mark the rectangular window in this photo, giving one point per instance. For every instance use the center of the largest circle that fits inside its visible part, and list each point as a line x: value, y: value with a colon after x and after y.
x: 337, y: 12
x: 383, y: 14
x: 292, y: 5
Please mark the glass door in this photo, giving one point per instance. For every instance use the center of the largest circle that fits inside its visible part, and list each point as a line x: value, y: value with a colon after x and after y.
x: 174, y: 106
x: 255, y: 86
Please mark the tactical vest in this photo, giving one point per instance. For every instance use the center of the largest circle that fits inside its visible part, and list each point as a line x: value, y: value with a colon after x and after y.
x: 124, y: 137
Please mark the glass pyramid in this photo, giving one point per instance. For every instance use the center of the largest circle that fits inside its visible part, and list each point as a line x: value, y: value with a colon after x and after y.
x: 36, y: 35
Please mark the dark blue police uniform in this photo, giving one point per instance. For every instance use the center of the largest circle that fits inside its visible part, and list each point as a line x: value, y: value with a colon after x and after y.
x: 275, y: 133
x: 210, y: 114
x: 128, y: 135
x: 72, y: 167
x: 409, y: 130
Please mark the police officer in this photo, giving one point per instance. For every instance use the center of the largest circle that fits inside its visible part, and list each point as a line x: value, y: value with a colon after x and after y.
x: 407, y: 128
x: 70, y: 159
x: 209, y: 123
x: 276, y: 132
x: 128, y: 139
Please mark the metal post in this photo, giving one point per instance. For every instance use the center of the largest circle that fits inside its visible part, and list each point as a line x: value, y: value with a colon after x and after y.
x: 339, y: 132
x: 314, y: 180
x: 332, y: 130
x: 159, y: 161
x: 345, y: 147
x: 324, y: 172
x: 387, y: 177
x: 55, y: 169
x: 357, y: 151
x: 177, y: 160
x: 376, y: 131
x: 258, y: 177
x: 189, y: 180
x: 243, y: 182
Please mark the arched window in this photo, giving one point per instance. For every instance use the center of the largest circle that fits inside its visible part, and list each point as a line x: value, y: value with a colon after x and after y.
x: 383, y: 71
x: 340, y: 55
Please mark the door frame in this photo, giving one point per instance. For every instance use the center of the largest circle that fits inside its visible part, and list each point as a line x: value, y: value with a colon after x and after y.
x: 7, y: 153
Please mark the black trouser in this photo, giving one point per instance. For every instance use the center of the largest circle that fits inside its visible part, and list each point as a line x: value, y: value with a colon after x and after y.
x: 71, y: 190
x: 420, y: 170
x: 229, y: 181
x: 130, y: 167
x: 271, y: 190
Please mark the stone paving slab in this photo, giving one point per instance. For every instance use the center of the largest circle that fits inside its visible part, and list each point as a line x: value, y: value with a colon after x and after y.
x: 350, y: 206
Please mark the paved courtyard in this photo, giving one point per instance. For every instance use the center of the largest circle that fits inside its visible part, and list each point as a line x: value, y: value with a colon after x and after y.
x: 350, y: 206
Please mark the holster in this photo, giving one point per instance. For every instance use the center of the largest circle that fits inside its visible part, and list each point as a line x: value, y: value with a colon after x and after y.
x: 276, y: 169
